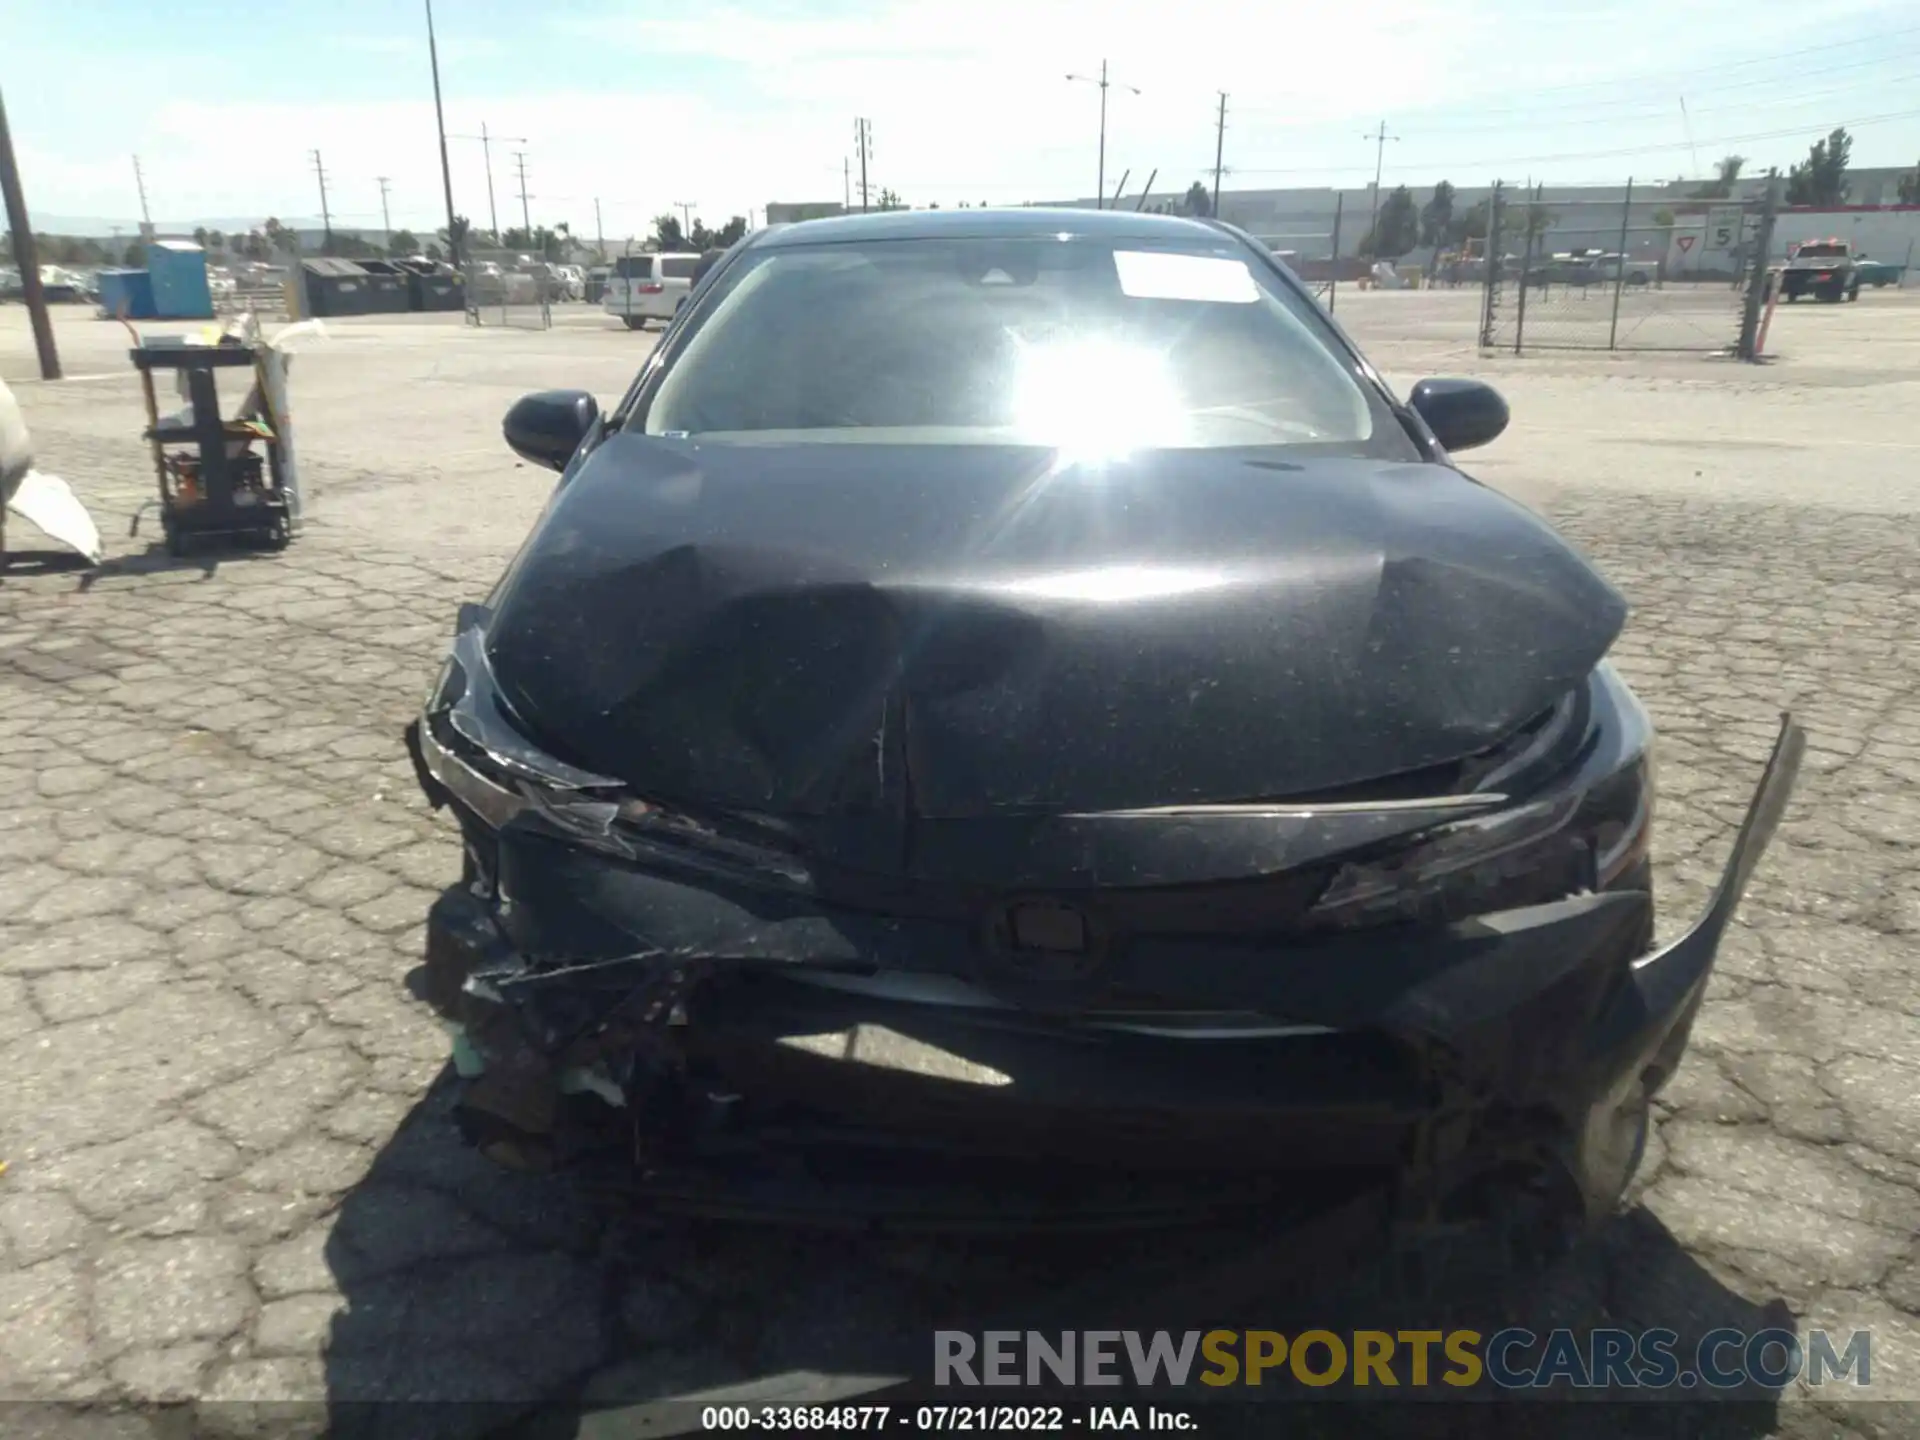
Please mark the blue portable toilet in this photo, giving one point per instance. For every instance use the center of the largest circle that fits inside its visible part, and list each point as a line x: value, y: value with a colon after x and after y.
x: 180, y: 287
x: 128, y: 293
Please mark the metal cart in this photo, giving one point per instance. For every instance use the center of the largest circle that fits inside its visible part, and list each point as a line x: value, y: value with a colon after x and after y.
x: 220, y: 486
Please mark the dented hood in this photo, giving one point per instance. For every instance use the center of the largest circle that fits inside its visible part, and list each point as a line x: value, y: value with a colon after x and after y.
x: 950, y: 632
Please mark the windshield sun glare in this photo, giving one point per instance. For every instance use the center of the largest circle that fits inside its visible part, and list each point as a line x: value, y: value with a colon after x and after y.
x: 1096, y: 401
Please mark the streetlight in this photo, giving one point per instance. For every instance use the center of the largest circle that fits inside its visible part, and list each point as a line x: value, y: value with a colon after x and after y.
x: 1103, y: 83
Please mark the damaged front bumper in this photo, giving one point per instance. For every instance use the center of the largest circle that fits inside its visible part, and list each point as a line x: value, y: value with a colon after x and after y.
x: 772, y: 1056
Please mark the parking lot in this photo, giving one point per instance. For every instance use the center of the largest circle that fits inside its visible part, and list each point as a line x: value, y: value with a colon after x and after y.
x: 228, y: 1177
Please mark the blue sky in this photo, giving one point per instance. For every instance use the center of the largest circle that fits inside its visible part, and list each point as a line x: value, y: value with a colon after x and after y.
x: 733, y: 103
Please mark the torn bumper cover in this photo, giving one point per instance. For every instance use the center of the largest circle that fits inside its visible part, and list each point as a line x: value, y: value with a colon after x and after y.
x: 765, y: 1043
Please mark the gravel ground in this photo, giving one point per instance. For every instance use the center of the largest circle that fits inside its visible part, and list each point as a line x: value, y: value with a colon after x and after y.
x: 228, y: 1173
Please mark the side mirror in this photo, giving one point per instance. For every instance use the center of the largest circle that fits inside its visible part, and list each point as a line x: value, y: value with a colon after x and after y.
x: 547, y: 427
x: 1461, y: 413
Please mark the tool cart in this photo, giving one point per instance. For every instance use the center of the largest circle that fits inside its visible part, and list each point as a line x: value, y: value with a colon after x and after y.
x: 213, y: 482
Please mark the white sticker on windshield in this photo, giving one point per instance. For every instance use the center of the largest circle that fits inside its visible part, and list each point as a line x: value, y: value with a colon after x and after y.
x: 1156, y: 275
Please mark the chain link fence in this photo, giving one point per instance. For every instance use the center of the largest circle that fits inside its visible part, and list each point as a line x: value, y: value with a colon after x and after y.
x: 510, y: 288
x: 1576, y: 274
x: 253, y: 288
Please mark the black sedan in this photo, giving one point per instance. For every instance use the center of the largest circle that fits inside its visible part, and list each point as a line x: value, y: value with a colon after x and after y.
x: 1010, y: 717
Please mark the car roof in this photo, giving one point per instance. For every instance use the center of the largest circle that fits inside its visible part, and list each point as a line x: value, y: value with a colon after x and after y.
x: 989, y: 224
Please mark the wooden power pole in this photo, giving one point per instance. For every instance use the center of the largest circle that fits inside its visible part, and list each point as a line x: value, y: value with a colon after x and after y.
x: 25, y: 255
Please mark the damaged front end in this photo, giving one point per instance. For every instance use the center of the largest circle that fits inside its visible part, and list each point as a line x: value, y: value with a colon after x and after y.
x: 1110, y: 1018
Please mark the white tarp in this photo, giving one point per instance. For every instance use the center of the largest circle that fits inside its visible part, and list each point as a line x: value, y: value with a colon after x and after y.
x: 46, y: 501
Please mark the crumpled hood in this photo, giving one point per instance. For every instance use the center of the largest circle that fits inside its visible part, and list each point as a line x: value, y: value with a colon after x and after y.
x: 950, y: 632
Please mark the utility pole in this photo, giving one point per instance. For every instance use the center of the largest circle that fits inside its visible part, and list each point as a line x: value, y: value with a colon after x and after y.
x: 493, y: 211
x: 846, y: 183
x: 685, y: 207
x: 599, y: 231
x: 326, y: 216
x: 140, y: 182
x: 1104, y: 83
x: 1380, y: 139
x: 386, y: 220
x: 26, y: 257
x: 863, y: 137
x: 440, y: 124
x: 526, y: 218
x: 486, y: 149
x: 1219, y: 148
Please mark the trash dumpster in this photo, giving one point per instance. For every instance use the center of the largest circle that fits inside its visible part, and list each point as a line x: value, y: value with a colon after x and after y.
x: 334, y: 287
x: 386, y: 287
x: 432, y: 286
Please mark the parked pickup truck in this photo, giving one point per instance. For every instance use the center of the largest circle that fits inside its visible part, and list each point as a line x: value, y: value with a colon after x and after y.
x: 1825, y: 269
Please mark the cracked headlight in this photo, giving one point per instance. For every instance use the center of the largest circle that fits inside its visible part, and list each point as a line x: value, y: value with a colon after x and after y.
x: 1591, y: 833
x: 475, y: 752
x: 472, y: 748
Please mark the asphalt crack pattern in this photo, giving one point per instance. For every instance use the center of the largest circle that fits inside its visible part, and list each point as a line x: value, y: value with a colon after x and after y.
x: 230, y: 1176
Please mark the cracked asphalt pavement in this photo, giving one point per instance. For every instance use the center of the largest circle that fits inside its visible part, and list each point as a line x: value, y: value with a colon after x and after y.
x: 229, y: 1176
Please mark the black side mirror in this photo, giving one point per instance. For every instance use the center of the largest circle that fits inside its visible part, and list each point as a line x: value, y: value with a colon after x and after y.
x: 547, y: 427
x: 1461, y: 413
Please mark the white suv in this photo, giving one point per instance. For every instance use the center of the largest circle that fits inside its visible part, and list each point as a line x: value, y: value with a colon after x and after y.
x: 649, y: 287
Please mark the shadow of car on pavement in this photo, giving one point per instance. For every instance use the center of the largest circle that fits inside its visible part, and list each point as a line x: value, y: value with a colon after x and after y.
x: 479, y: 1302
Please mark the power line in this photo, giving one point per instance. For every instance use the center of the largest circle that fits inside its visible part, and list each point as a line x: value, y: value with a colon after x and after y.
x: 1771, y: 104
x: 1788, y: 133
x: 1486, y: 116
x: 1772, y: 58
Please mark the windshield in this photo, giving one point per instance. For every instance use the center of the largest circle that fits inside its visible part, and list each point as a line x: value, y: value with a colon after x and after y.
x: 1064, y: 342
x: 1823, y: 251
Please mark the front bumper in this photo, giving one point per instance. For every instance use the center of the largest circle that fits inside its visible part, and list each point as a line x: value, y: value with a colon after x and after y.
x: 759, y: 1085
x: 1803, y: 281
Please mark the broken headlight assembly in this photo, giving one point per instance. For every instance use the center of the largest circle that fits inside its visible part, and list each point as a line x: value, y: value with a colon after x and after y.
x: 475, y: 752
x: 1593, y: 831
